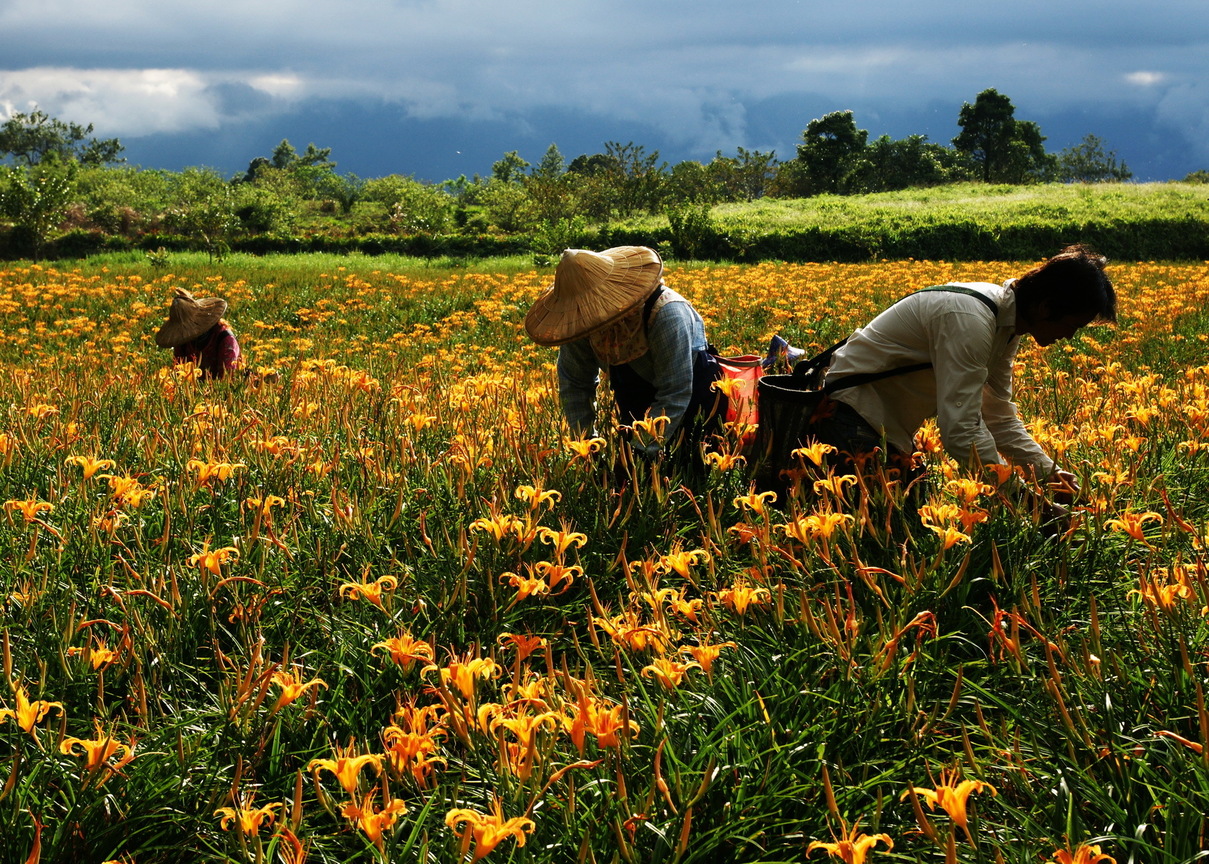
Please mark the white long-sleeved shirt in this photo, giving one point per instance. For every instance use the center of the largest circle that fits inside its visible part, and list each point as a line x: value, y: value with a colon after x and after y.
x: 969, y: 387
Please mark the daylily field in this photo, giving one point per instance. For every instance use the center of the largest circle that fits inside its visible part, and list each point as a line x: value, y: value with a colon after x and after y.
x: 384, y: 609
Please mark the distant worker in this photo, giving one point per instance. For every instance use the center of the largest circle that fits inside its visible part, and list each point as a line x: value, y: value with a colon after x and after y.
x: 947, y: 352
x: 197, y: 334
x: 611, y: 311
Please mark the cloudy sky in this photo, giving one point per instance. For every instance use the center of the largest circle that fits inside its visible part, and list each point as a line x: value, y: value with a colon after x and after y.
x: 439, y: 88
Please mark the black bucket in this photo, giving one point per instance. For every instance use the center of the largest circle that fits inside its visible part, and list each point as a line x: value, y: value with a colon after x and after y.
x: 786, y: 402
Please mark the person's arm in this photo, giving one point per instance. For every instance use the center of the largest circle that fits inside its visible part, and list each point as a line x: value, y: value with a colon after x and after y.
x: 960, y: 348
x: 578, y: 378
x: 670, y: 337
x: 228, y: 351
x: 1003, y: 420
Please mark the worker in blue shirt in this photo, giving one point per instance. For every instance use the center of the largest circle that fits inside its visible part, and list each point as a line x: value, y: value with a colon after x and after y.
x: 611, y: 311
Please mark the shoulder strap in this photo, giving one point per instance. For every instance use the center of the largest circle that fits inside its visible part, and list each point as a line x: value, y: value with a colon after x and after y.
x: 649, y: 306
x: 823, y: 359
x: 969, y: 292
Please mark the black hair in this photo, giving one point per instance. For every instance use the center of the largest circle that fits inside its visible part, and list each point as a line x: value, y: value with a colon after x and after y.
x: 1073, y: 282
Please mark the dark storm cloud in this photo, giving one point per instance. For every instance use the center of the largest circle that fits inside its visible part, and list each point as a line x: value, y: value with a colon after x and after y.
x: 687, y: 78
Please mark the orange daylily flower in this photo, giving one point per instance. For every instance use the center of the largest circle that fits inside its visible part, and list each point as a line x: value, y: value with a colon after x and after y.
x: 815, y: 526
x: 463, y: 674
x: 371, y: 591
x: 127, y: 490
x: 679, y: 561
x: 411, y: 743
x: 28, y: 713
x: 90, y: 465
x: 525, y: 644
x: 1085, y: 854
x: 500, y: 526
x: 526, y: 586
x: 1132, y: 523
x: 28, y: 508
x: 213, y: 559
x: 207, y: 471
x: 740, y: 596
x: 668, y: 672
x: 834, y: 485
x: 597, y: 717
x: 951, y: 798
x: 535, y: 496
x: 485, y: 831
x: 346, y: 766
x: 816, y: 452
x: 374, y: 822
x: 291, y: 688
x: 755, y: 501
x: 724, y: 461
x: 706, y: 653
x: 98, y: 751
x: 853, y: 847
x: 583, y: 448
x: 628, y: 631
x: 98, y: 655
x: 405, y: 650
x: 249, y: 819
x: 561, y: 540
x: 557, y: 574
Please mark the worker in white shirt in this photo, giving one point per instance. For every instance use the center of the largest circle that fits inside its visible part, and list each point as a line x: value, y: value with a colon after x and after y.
x: 947, y: 352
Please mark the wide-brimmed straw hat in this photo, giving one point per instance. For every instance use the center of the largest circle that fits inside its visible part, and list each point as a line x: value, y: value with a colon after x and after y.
x: 189, y: 318
x: 591, y: 290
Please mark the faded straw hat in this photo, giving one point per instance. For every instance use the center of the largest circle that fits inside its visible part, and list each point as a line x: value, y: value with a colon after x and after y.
x: 189, y: 318
x: 592, y: 290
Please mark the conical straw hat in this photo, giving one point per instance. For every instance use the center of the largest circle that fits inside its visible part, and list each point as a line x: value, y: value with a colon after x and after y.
x: 189, y: 318
x: 592, y: 290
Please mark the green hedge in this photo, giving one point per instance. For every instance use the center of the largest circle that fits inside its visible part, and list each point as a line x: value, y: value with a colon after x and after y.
x: 1179, y: 238
x: 1155, y: 239
x: 81, y: 244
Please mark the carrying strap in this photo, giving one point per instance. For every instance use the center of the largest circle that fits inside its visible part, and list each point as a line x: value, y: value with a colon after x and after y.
x: 823, y: 359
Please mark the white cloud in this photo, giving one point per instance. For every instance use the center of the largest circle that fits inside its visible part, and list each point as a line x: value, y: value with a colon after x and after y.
x: 1145, y: 79
x: 280, y: 85
x: 131, y: 102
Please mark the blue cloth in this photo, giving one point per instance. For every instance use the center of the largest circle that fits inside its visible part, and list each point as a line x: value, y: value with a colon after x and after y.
x: 674, y: 333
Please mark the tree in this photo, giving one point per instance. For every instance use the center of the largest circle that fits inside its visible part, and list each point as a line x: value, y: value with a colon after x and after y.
x: 552, y: 166
x: 1088, y: 162
x: 31, y: 138
x: 35, y: 199
x: 914, y: 161
x: 509, y: 169
x: 744, y: 176
x: 690, y: 182
x: 550, y: 190
x: 286, y: 157
x: 313, y: 173
x: 635, y: 176
x: 412, y: 207
x: 204, y: 210
x: 623, y: 180
x: 1004, y: 149
x: 830, y: 147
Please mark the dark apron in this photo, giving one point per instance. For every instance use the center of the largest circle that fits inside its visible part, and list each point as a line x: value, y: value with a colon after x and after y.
x: 634, y: 396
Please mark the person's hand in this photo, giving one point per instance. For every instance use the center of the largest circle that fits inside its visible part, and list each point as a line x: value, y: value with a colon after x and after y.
x: 1063, y: 487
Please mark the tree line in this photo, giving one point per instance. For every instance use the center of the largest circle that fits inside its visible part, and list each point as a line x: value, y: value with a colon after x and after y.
x: 56, y: 177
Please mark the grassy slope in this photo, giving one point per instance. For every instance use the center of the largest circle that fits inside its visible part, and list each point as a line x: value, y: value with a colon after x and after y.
x: 1116, y: 201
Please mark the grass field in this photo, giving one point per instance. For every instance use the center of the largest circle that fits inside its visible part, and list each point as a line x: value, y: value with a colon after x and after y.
x: 383, y: 610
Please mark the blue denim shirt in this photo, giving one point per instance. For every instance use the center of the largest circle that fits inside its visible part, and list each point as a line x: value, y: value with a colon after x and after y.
x: 674, y: 334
